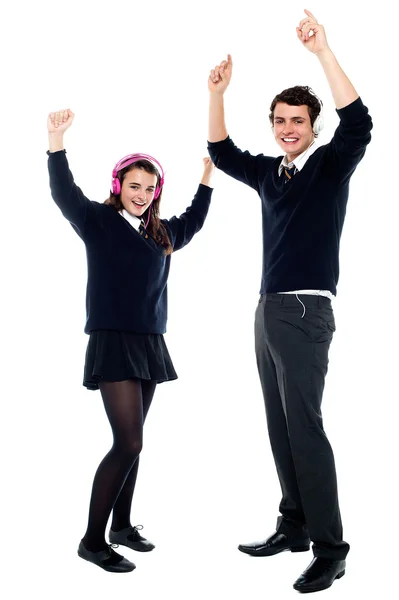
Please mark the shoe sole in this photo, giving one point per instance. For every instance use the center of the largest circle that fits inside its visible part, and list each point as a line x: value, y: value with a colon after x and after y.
x: 104, y: 568
x: 319, y: 589
x: 273, y: 553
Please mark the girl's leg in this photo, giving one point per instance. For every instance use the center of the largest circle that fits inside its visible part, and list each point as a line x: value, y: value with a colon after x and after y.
x: 122, y: 507
x: 123, y: 404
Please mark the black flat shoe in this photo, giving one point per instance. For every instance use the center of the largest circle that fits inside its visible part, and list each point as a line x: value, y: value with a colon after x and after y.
x: 107, y: 559
x: 131, y: 538
x: 320, y: 575
x: 278, y: 542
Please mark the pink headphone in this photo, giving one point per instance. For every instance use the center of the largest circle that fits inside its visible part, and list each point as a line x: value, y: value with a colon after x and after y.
x: 130, y: 159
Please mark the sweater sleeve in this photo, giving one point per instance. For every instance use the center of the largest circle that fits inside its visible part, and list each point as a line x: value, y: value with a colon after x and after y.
x: 182, y: 229
x: 239, y: 164
x: 66, y: 194
x: 351, y: 138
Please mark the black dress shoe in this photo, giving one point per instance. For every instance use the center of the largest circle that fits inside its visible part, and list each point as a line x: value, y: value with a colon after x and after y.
x: 320, y: 575
x: 131, y: 538
x: 278, y: 542
x: 107, y: 559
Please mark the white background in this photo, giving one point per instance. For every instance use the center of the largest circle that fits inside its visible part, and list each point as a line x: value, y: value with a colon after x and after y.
x: 135, y: 74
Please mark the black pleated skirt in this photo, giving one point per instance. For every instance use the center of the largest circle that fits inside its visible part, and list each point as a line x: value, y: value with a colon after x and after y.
x: 121, y: 355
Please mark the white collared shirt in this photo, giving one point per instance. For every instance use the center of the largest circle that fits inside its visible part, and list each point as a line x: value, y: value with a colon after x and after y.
x: 299, y: 163
x: 134, y: 221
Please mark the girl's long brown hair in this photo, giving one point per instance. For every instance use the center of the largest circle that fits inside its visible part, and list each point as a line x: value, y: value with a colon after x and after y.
x: 155, y: 228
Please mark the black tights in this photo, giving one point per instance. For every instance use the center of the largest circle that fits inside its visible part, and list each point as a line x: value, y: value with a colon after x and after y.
x: 126, y: 404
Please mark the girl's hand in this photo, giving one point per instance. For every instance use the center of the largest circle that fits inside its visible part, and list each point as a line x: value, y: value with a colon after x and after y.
x: 60, y: 121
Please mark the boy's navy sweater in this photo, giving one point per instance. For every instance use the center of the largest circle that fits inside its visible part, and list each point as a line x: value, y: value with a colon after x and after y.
x: 302, y: 220
x: 127, y: 274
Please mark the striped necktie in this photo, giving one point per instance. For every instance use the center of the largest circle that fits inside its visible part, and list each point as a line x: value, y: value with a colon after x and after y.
x: 142, y: 229
x: 289, y: 173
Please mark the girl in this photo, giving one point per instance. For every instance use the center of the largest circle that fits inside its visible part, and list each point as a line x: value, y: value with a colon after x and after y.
x: 128, y: 251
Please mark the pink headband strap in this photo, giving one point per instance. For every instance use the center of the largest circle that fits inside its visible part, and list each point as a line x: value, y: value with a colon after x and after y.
x: 132, y: 158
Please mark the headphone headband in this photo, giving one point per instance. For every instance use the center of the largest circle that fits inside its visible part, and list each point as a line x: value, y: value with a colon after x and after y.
x: 132, y: 158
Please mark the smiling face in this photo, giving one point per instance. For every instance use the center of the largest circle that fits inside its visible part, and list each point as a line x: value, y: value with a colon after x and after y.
x: 292, y: 129
x: 137, y: 192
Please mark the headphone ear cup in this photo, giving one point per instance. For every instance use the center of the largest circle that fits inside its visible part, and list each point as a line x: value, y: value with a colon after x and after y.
x: 318, y: 124
x: 159, y: 188
x: 116, y: 186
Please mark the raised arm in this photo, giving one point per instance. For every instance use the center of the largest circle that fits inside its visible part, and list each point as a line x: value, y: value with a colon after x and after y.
x: 352, y: 136
x: 342, y: 89
x: 182, y: 229
x: 57, y: 124
x: 218, y: 82
x: 66, y: 194
x: 243, y: 166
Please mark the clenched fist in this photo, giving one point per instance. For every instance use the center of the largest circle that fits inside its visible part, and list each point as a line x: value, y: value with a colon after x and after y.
x: 59, y: 121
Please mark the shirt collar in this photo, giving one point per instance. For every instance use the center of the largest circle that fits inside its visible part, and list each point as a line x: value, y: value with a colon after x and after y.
x: 299, y: 161
x: 134, y: 221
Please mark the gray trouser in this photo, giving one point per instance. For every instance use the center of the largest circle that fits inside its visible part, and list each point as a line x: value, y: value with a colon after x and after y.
x: 292, y: 340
